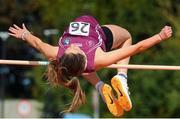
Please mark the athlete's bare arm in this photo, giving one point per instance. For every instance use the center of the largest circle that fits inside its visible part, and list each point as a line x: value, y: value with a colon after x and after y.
x: 47, y: 50
x: 103, y: 59
x: 92, y: 78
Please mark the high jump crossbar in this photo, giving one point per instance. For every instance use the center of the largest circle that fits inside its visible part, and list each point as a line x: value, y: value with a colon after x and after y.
x: 130, y: 66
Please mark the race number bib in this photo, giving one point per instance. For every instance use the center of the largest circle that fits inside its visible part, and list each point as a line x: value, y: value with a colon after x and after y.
x: 79, y: 28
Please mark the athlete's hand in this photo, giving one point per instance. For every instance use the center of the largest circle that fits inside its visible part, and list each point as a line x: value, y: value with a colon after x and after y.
x: 166, y: 33
x: 18, y: 32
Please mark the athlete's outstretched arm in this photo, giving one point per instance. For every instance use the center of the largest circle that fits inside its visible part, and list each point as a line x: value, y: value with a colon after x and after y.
x: 47, y: 50
x: 111, y: 57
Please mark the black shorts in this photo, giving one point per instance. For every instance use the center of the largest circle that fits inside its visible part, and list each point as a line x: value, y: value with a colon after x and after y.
x: 109, y: 38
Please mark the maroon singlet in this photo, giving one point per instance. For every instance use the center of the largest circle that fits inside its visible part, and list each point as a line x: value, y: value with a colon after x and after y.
x: 86, y: 33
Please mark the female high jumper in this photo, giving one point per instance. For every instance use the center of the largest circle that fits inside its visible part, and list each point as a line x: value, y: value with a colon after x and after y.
x: 84, y: 48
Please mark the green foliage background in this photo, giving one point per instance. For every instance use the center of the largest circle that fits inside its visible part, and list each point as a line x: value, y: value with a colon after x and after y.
x: 153, y: 93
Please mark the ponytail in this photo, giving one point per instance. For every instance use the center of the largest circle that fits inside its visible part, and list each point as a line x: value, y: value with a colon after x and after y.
x: 56, y: 76
x: 79, y: 95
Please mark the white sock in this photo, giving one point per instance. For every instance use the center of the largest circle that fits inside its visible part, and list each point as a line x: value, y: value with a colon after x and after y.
x: 123, y: 74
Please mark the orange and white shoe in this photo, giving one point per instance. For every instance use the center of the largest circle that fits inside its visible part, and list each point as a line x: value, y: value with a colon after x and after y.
x: 119, y: 83
x: 111, y: 102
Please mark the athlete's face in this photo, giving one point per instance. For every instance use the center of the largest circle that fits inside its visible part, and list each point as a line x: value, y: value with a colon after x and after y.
x: 74, y: 49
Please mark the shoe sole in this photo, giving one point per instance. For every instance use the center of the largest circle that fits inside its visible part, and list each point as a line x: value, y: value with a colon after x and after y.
x: 122, y: 96
x: 112, y: 103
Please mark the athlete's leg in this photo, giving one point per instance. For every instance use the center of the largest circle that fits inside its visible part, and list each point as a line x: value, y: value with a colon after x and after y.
x: 121, y: 39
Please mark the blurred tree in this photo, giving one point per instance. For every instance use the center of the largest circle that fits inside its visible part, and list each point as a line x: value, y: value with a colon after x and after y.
x: 18, y: 11
x: 153, y: 93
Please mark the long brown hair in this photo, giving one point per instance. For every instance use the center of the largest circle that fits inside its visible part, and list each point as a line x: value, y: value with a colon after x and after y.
x: 63, y: 72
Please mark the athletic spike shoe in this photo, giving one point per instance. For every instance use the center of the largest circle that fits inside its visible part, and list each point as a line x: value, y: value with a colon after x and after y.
x: 119, y: 83
x: 111, y: 102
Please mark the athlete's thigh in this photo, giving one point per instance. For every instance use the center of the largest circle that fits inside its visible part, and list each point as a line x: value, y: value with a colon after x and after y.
x: 120, y: 35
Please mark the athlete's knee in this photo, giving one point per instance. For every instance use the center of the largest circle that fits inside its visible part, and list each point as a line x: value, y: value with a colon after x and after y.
x: 130, y: 39
x: 127, y: 36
